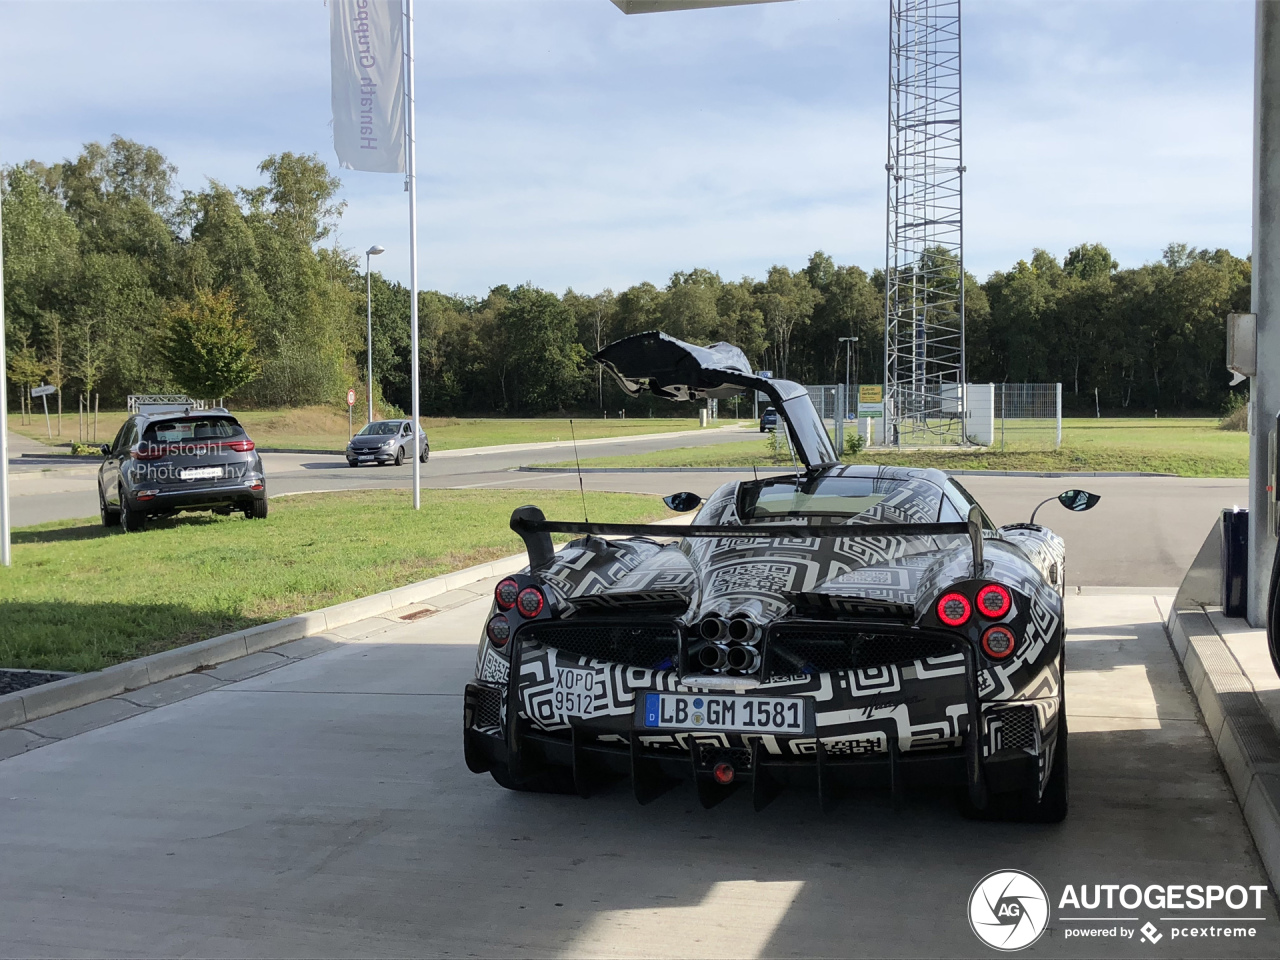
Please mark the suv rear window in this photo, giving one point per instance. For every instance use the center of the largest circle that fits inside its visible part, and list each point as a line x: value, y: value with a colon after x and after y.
x: 193, y: 428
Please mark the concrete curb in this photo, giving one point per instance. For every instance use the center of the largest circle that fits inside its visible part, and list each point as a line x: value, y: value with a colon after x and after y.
x: 24, y: 706
x: 1247, y: 742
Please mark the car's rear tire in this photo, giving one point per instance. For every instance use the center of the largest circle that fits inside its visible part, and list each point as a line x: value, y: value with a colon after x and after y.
x: 549, y: 780
x: 110, y: 518
x: 1029, y: 805
x: 399, y: 456
x: 132, y: 520
x: 258, y: 511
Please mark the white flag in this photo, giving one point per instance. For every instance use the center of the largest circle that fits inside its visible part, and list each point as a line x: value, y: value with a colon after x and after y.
x: 367, y: 41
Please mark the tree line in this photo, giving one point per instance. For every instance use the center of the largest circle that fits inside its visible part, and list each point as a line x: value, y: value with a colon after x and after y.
x: 118, y: 282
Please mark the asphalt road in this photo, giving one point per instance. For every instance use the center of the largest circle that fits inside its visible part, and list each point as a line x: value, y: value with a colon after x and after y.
x: 1144, y: 533
x: 323, y: 809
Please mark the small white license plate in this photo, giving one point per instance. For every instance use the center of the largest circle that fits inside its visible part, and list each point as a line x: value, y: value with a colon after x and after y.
x: 200, y: 473
x: 689, y: 711
x: 574, y: 693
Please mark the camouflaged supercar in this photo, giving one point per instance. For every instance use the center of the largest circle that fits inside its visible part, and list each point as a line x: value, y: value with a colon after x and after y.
x: 845, y: 626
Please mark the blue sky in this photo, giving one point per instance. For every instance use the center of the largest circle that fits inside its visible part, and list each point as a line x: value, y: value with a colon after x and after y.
x: 564, y: 144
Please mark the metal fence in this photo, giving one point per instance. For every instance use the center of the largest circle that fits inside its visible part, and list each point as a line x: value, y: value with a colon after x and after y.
x: 1002, y: 416
x: 1028, y: 416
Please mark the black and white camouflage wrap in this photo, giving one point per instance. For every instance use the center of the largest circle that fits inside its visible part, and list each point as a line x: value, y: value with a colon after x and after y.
x: 917, y: 704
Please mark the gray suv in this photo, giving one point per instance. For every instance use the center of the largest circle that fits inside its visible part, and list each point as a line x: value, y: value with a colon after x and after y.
x: 166, y: 463
x: 385, y: 441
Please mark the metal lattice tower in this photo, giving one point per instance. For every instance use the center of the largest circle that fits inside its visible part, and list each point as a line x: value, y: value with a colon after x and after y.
x: 924, y: 263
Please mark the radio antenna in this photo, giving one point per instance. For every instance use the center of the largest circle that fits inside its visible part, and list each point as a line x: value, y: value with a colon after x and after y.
x: 578, y: 463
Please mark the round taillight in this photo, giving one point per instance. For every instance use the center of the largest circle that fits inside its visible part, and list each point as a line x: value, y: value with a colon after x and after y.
x: 529, y: 602
x: 499, y: 631
x: 954, y: 609
x: 505, y: 594
x: 723, y: 772
x: 994, y: 600
x: 997, y: 642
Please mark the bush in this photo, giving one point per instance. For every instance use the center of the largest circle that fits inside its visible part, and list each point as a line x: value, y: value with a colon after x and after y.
x: 79, y: 449
x: 776, y: 446
x: 853, y: 443
x: 1237, y: 420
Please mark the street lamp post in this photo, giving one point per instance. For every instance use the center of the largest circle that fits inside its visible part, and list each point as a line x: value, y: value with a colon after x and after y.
x: 368, y: 305
x: 848, y: 349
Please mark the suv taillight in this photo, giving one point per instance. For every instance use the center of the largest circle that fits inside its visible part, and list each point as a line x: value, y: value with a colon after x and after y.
x: 147, y: 451
x: 240, y: 446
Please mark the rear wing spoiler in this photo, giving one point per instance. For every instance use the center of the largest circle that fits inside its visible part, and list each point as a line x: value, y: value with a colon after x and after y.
x: 535, y: 530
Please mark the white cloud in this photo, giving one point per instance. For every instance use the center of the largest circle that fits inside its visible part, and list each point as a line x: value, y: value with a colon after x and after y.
x: 565, y: 144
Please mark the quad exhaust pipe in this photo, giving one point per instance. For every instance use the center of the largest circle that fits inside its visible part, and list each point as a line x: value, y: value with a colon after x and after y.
x: 729, y: 644
x: 714, y: 656
x: 743, y: 629
x: 714, y: 629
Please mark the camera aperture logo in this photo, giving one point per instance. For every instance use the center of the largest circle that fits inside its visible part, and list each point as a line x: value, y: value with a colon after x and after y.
x: 1008, y: 910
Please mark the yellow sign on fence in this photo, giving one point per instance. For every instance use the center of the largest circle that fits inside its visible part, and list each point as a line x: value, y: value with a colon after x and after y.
x: 871, y: 393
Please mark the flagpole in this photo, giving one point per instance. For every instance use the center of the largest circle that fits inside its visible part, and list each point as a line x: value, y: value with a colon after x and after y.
x: 5, y: 556
x: 411, y: 164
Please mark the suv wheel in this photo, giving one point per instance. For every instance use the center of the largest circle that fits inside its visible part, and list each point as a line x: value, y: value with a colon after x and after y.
x: 258, y: 511
x: 132, y: 520
x: 110, y: 518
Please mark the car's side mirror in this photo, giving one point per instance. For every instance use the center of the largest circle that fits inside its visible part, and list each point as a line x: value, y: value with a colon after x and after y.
x: 1077, y: 501
x: 682, y: 502
x: 106, y: 449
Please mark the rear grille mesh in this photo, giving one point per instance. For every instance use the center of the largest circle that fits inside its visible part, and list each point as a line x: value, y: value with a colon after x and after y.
x: 651, y: 646
x: 488, y: 707
x: 810, y: 648
x: 1017, y: 729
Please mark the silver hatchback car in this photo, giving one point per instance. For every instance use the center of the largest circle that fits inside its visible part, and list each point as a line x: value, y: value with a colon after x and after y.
x: 385, y: 441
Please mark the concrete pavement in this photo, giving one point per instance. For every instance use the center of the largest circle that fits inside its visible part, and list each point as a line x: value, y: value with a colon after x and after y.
x: 322, y: 809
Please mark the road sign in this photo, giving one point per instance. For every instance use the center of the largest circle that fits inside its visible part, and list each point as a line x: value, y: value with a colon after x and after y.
x: 871, y: 401
x: 351, y: 398
x: 43, y: 391
x: 765, y: 374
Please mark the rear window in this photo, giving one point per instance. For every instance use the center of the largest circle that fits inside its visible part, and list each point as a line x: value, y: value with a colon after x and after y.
x: 883, y: 500
x: 193, y: 429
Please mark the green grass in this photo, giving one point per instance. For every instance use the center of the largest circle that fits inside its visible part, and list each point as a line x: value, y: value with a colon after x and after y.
x: 79, y: 597
x: 325, y: 428
x: 1185, y: 447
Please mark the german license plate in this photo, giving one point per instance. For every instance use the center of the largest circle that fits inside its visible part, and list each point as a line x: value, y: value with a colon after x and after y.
x: 200, y: 473
x: 365, y: 456
x: 688, y: 711
x: 574, y: 693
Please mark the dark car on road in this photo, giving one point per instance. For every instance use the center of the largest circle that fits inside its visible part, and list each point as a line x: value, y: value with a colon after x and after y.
x: 166, y: 463
x: 385, y: 441
x: 768, y: 419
